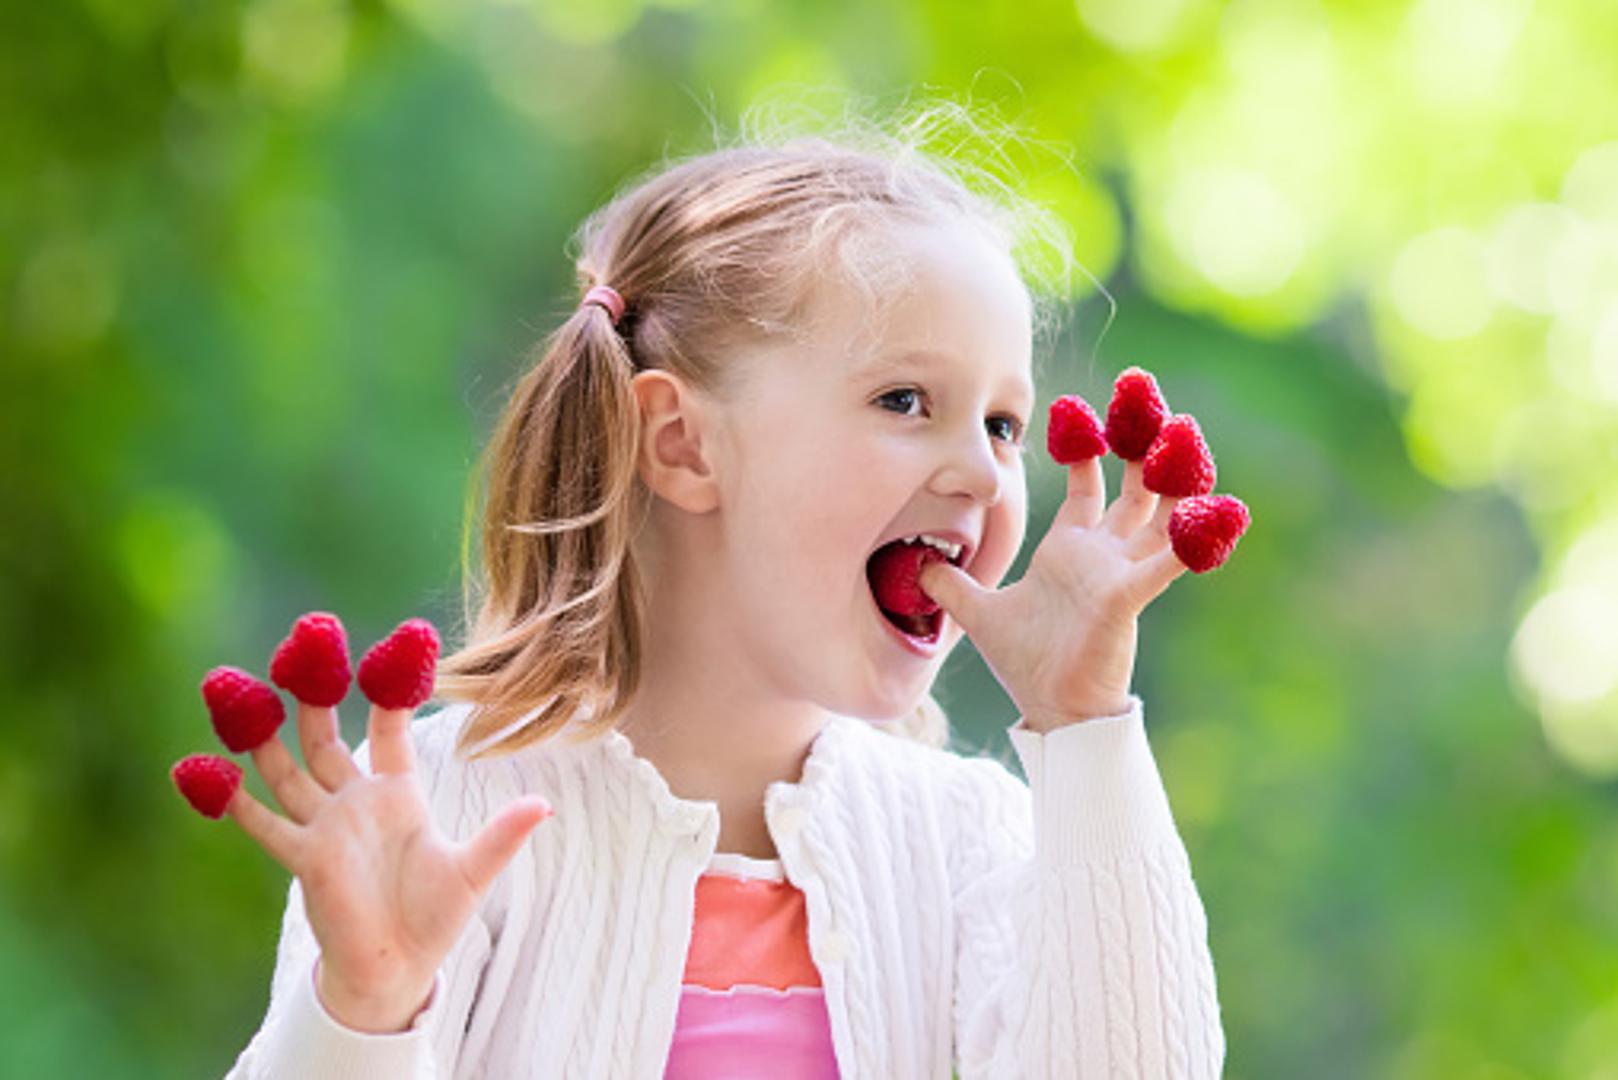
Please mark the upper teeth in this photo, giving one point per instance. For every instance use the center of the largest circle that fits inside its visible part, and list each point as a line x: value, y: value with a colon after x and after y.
x: 951, y: 551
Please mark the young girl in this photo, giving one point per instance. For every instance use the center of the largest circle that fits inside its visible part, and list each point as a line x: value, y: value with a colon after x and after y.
x: 690, y: 812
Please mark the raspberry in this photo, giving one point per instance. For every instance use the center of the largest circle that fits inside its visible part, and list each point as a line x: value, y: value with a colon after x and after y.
x: 1135, y: 414
x: 1179, y: 464
x: 1073, y: 432
x: 245, y: 710
x: 895, y: 574
x: 398, y: 671
x: 312, y: 662
x: 1204, y: 529
x: 207, y: 781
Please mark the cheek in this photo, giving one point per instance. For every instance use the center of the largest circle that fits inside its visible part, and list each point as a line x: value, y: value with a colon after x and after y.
x: 840, y: 512
x: 803, y: 533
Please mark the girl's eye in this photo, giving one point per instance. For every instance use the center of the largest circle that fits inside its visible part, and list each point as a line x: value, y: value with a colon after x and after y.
x: 1010, y: 431
x: 903, y: 394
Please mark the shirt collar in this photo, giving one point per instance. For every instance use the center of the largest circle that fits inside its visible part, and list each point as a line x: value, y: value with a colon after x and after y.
x: 618, y: 754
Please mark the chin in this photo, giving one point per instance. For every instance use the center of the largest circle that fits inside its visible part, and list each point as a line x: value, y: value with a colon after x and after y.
x: 885, y: 704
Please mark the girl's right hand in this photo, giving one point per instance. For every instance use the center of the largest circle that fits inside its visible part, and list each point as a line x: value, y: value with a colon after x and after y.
x: 387, y: 895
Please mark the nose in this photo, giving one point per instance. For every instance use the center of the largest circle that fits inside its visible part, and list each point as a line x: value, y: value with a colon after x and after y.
x: 969, y: 467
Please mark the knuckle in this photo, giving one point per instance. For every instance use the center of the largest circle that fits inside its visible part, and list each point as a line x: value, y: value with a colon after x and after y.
x: 320, y: 873
x: 325, y: 764
x: 277, y: 769
x: 316, y: 878
x: 1120, y: 603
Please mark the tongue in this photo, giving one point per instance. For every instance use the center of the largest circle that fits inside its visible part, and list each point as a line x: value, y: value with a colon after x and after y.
x: 895, y: 572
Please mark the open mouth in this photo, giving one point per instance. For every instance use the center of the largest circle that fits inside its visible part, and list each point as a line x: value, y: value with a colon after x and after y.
x: 894, y: 573
x: 920, y: 627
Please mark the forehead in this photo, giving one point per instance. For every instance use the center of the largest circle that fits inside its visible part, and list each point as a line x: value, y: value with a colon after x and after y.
x: 961, y: 306
x: 938, y: 301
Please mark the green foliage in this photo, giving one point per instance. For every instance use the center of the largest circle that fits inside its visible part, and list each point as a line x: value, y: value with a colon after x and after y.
x: 269, y: 268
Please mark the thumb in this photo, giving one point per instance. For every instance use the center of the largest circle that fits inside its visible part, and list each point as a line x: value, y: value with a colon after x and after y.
x: 954, y: 590
x: 486, y: 854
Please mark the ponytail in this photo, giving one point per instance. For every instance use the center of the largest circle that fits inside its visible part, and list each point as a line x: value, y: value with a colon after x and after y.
x: 560, y: 606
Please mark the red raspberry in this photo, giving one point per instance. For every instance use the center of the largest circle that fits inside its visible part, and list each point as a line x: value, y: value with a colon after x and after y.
x: 1204, y: 529
x: 207, y: 781
x: 1073, y: 432
x: 311, y: 663
x: 1179, y: 463
x: 398, y: 671
x: 1135, y: 414
x: 895, y: 574
x: 245, y: 710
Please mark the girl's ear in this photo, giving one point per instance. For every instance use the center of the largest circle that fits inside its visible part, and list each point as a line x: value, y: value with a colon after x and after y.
x: 676, y: 441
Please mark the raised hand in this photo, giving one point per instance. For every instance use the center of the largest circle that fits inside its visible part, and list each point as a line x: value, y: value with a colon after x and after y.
x: 386, y: 894
x: 1062, y: 639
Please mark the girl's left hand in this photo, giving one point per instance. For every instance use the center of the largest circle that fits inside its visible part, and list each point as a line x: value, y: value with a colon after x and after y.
x: 1062, y: 639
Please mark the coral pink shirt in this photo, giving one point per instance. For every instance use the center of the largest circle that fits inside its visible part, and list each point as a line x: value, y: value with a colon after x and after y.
x: 751, y: 1003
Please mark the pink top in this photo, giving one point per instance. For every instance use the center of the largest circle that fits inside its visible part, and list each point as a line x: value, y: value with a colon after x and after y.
x: 751, y: 1003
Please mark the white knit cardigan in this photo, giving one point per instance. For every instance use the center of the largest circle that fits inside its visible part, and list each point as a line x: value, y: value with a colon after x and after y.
x: 958, y: 917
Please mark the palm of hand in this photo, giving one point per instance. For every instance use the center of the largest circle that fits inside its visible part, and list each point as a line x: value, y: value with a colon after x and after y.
x: 1064, y: 633
x: 386, y: 894
x: 384, y: 891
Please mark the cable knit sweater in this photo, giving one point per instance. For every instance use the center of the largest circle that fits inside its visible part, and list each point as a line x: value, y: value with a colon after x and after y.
x: 958, y: 916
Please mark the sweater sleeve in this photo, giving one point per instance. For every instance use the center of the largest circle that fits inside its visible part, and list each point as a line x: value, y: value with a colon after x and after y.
x: 299, y: 1039
x: 1081, y: 942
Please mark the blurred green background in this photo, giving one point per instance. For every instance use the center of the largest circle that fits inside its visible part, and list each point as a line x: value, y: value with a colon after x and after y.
x: 267, y: 267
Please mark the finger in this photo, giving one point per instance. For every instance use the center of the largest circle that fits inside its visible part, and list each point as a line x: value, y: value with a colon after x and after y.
x: 274, y: 833
x: 293, y: 788
x: 324, y: 751
x: 391, y: 749
x: 954, y: 590
x: 1086, y: 495
x: 1134, y: 504
x: 1155, y: 536
x: 1152, y: 575
x: 486, y: 854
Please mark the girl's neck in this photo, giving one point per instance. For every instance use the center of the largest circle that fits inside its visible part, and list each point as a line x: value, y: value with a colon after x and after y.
x: 712, y: 741
x: 703, y: 716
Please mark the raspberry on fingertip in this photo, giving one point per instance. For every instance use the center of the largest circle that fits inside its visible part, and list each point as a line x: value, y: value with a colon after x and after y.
x: 311, y: 663
x: 1179, y: 463
x: 1073, y: 431
x: 207, y: 781
x: 1203, y: 530
x: 398, y: 672
x: 1135, y: 414
x: 245, y: 710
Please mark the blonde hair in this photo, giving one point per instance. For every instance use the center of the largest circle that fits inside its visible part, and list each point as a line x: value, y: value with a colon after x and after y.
x: 555, y: 620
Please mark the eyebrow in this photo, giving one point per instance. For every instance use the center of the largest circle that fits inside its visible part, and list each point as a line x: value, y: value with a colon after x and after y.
x: 912, y: 359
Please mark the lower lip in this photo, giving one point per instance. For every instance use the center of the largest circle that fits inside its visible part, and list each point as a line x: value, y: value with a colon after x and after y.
x: 926, y: 649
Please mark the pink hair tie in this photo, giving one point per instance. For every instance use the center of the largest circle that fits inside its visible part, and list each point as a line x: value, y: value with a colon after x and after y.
x: 606, y: 296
